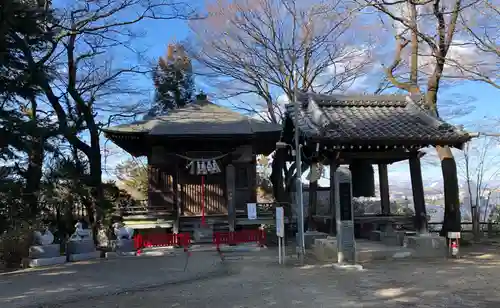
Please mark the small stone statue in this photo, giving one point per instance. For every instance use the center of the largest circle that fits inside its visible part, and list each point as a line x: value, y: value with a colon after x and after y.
x: 81, y: 234
x: 102, y: 237
x: 122, y: 232
x: 44, y: 237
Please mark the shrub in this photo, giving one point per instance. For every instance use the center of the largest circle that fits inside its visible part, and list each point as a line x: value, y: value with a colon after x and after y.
x: 15, y: 243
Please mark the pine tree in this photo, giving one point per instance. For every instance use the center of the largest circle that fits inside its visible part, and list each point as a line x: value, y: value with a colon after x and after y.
x: 31, y: 22
x: 174, y: 81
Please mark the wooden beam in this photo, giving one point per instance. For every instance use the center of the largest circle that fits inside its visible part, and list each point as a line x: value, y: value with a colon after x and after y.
x: 384, y: 189
x: 231, y: 189
x: 418, y: 195
x: 333, y: 208
x: 313, y: 200
x: 376, y: 157
x: 177, y: 203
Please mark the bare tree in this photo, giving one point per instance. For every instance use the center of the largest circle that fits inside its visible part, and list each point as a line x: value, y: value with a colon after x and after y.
x: 479, y: 168
x: 482, y: 26
x: 251, y: 49
x: 89, y: 32
x: 427, y: 28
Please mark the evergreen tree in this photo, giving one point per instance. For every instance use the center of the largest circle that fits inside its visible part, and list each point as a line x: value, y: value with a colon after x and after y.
x: 174, y: 81
x: 31, y: 22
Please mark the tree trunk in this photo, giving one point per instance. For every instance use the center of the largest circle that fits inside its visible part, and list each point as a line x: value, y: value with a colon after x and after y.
x: 96, y: 186
x: 451, y: 222
x: 33, y: 176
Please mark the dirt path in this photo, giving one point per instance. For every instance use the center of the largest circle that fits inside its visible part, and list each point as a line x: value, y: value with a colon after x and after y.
x: 256, y: 281
x: 86, y: 280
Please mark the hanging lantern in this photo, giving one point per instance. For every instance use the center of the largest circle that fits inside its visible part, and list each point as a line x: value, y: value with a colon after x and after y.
x: 363, y: 181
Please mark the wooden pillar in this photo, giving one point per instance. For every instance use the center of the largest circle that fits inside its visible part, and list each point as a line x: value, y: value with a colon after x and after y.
x: 385, y: 202
x: 278, y: 166
x: 150, y: 185
x: 177, y: 204
x: 333, y: 214
x: 313, y: 198
x: 230, y: 188
x: 418, y: 195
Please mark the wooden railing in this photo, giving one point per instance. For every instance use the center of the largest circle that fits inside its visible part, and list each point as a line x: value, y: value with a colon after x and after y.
x: 264, y: 210
x: 144, y: 209
x: 466, y: 227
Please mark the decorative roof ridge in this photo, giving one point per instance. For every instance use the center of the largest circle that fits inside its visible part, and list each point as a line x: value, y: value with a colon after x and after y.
x: 360, y: 100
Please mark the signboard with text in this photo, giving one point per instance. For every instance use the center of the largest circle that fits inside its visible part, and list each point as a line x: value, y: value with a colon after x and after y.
x: 280, y: 222
x: 252, y: 211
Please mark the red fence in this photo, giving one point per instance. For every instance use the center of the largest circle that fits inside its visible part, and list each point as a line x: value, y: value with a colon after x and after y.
x: 184, y: 239
x: 239, y: 237
x: 162, y: 240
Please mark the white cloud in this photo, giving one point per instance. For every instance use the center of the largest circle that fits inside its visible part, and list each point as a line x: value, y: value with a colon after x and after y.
x: 464, y: 59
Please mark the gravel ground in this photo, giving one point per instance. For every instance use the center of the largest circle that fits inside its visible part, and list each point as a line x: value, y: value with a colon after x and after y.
x: 255, y: 280
x: 74, y: 282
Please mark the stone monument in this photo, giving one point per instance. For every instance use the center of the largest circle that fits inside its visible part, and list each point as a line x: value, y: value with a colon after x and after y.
x: 44, y: 252
x: 124, y: 244
x: 346, y: 244
x: 80, y: 245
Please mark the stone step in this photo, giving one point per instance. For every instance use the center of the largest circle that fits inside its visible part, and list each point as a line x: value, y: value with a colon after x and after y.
x: 84, y: 256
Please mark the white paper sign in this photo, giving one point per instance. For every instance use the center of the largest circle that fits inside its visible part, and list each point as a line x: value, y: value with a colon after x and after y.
x: 252, y: 211
x: 280, y: 222
x: 203, y: 167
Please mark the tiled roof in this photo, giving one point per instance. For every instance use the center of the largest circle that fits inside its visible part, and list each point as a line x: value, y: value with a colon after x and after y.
x: 372, y: 119
x: 200, y: 118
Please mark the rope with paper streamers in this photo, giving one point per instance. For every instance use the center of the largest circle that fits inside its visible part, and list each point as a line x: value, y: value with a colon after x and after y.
x: 203, y: 165
x: 202, y: 159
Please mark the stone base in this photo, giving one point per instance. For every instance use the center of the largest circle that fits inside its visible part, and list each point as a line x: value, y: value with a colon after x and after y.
x: 311, y: 236
x: 427, y: 245
x: 84, y: 256
x: 152, y: 252
x: 326, y: 250
x: 80, y: 247
x: 115, y: 254
x: 123, y: 245
x: 45, y: 261
x: 394, y: 238
x: 376, y: 235
x: 391, y: 238
x: 45, y: 251
x: 349, y: 267
x: 203, y: 235
x: 242, y: 248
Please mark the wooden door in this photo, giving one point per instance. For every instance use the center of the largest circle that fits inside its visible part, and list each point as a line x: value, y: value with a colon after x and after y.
x: 192, y: 195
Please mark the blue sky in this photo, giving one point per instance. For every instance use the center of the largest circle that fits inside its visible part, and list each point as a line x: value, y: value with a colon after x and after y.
x: 485, y: 97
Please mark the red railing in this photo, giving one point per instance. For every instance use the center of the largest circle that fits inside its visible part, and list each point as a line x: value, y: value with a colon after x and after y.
x: 162, y: 240
x: 239, y: 237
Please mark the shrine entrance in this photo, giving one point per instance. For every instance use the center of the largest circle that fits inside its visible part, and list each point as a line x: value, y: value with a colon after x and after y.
x: 202, y: 166
x: 202, y: 185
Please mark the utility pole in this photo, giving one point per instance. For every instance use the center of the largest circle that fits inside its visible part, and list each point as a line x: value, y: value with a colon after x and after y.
x: 298, y: 163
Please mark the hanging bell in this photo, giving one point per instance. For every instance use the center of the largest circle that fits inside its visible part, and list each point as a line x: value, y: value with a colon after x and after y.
x: 363, y: 180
